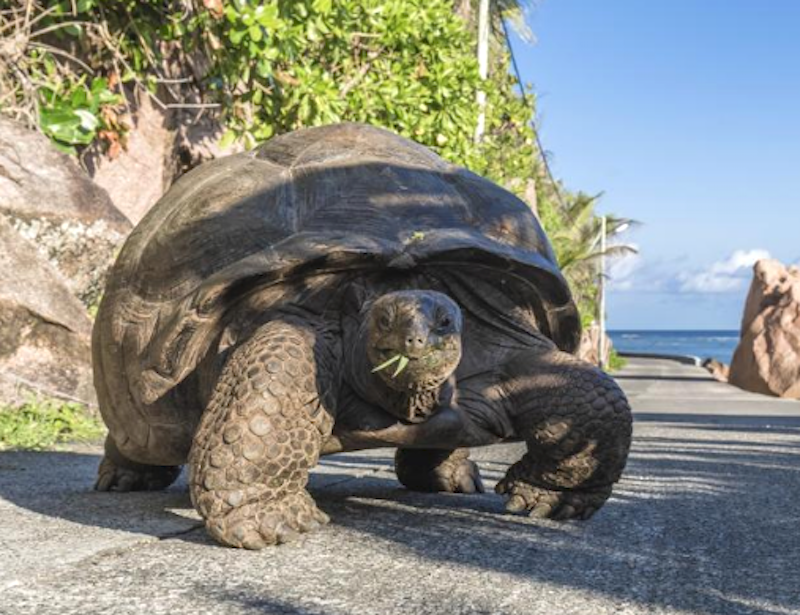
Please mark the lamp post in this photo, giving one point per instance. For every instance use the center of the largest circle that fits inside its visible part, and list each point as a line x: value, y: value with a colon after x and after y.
x: 601, y: 291
x: 483, y: 66
x: 601, y: 288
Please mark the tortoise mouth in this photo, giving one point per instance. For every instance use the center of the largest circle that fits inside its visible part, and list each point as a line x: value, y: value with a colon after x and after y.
x: 387, y: 353
x: 414, y: 372
x: 430, y: 358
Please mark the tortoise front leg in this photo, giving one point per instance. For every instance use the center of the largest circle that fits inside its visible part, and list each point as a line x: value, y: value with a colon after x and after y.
x: 260, y: 435
x: 577, y: 424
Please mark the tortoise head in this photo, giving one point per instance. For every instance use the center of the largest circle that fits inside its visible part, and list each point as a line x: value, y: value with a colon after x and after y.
x: 414, y: 339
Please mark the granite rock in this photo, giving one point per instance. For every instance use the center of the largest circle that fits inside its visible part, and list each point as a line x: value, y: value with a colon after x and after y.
x: 767, y: 359
x: 44, y: 330
x: 51, y: 202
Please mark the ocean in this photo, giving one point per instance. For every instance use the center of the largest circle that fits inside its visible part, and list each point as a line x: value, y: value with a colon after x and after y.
x: 704, y: 344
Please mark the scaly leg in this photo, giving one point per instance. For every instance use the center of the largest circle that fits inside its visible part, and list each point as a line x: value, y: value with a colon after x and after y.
x: 261, y: 434
x: 577, y: 424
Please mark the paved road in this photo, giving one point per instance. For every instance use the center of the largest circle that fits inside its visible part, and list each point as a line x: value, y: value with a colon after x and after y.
x: 706, y: 520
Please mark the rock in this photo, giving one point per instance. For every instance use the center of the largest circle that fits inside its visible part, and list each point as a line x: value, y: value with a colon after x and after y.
x: 44, y: 330
x: 766, y: 289
x: 767, y: 359
x: 137, y: 177
x: 719, y: 370
x: 53, y: 204
x: 161, y: 145
x: 588, y: 349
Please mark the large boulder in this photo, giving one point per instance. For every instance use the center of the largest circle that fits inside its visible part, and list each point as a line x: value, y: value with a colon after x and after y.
x: 44, y: 330
x: 161, y: 145
x: 767, y: 359
x: 141, y: 172
x: 53, y: 204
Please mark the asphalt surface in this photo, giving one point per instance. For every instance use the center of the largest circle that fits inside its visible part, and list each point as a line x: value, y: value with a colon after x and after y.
x: 706, y: 520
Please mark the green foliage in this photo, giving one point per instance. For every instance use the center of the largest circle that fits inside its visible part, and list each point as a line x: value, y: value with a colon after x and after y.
x: 356, y: 62
x: 615, y: 361
x: 43, y: 77
x: 42, y: 423
x: 269, y: 67
x: 574, y: 230
x: 71, y: 113
x: 276, y: 66
x: 407, y: 65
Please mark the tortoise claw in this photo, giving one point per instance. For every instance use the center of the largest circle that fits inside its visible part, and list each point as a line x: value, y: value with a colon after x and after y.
x: 438, y: 471
x: 114, y: 477
x: 544, y: 503
x: 267, y: 522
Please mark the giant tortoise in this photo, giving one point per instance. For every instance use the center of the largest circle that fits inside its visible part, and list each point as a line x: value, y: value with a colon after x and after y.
x: 341, y: 288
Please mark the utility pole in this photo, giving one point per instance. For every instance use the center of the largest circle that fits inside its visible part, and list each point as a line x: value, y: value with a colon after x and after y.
x: 601, y: 291
x: 483, y: 66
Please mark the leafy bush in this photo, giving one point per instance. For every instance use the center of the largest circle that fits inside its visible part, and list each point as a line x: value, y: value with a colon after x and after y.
x: 41, y: 423
x: 72, y: 113
x: 615, y: 361
x: 267, y: 67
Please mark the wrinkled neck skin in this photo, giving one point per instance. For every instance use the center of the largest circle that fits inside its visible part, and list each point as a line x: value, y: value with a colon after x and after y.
x: 411, y: 405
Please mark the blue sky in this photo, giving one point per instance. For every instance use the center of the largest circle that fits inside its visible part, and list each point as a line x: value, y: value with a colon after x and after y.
x: 686, y: 115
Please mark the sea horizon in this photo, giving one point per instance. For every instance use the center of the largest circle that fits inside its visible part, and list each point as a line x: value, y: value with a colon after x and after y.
x: 716, y: 344
x: 736, y: 331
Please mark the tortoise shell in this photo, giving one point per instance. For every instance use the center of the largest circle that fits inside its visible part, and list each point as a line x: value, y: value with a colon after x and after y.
x: 330, y: 199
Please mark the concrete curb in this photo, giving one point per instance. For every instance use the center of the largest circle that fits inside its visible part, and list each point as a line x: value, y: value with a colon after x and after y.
x: 685, y: 359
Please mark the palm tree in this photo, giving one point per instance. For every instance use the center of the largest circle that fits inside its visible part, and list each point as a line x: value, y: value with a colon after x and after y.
x: 574, y: 229
x: 511, y: 10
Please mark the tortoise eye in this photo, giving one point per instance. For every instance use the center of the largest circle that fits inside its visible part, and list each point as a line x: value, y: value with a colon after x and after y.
x: 385, y: 321
x: 443, y: 321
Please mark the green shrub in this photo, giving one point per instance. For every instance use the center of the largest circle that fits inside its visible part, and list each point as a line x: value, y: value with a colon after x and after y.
x: 615, y: 361
x: 42, y: 423
x: 266, y: 67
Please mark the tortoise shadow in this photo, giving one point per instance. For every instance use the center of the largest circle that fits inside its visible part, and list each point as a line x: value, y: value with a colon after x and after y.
x: 710, y: 516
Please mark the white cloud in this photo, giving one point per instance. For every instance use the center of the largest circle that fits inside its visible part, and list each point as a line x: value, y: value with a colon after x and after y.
x: 638, y: 273
x: 729, y: 275
x: 635, y: 273
x: 622, y: 270
x: 741, y: 259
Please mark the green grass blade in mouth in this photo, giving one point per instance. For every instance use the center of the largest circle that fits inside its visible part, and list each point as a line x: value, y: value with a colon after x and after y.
x: 400, y: 366
x: 387, y: 363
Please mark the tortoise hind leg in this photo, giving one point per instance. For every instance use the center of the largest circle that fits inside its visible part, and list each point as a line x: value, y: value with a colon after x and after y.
x: 577, y: 425
x: 437, y: 470
x: 261, y: 433
x: 118, y: 473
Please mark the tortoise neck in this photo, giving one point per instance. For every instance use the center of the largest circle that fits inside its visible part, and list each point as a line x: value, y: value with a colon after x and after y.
x: 415, y: 406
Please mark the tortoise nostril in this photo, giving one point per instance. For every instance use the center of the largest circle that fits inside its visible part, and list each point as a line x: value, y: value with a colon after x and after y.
x: 415, y: 343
